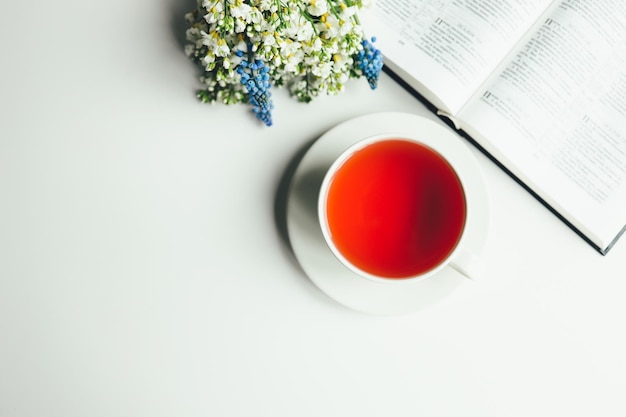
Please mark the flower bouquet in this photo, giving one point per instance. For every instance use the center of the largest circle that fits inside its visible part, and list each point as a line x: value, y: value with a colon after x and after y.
x: 311, y: 47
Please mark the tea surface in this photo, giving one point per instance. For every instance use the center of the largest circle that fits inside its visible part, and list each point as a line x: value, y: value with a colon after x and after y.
x: 395, y: 209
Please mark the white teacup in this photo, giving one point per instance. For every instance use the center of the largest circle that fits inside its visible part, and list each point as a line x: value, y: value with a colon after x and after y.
x: 392, y: 208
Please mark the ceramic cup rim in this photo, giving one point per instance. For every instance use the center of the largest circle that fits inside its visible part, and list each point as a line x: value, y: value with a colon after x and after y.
x: 341, y: 159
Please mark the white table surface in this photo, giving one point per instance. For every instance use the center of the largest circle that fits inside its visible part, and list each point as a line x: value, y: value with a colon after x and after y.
x: 145, y: 270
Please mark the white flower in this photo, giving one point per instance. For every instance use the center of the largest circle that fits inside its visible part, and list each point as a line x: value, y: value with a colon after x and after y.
x: 255, y: 16
x: 214, y: 10
x: 267, y: 5
x: 240, y: 11
x: 209, y: 61
x: 316, y: 46
x: 305, y: 33
x: 240, y: 26
x: 341, y: 61
x: 293, y: 61
x: 317, y: 7
x: 217, y: 46
x: 322, y: 70
x: 268, y: 39
x: 288, y: 48
x: 190, y: 49
x: 195, y: 36
x: 329, y: 27
x: 231, y: 62
x: 332, y: 48
x: 311, y: 60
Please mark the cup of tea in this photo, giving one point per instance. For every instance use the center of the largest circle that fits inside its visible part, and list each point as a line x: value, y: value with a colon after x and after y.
x: 393, y: 208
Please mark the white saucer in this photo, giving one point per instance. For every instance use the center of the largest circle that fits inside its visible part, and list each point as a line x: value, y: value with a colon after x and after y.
x: 316, y: 259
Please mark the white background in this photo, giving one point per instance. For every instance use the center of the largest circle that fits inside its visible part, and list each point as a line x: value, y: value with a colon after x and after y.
x: 145, y: 267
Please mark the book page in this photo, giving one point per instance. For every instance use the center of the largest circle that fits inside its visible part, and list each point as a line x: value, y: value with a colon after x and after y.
x: 449, y: 47
x: 557, y: 114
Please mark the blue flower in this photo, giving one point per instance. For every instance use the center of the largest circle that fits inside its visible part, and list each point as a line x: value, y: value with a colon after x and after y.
x: 370, y: 62
x: 256, y: 80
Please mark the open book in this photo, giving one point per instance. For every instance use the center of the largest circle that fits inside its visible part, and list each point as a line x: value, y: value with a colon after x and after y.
x: 538, y: 85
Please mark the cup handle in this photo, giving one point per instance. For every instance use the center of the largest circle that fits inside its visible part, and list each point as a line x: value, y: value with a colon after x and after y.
x: 467, y: 264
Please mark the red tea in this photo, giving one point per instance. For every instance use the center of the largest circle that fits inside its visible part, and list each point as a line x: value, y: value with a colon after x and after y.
x: 395, y: 209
